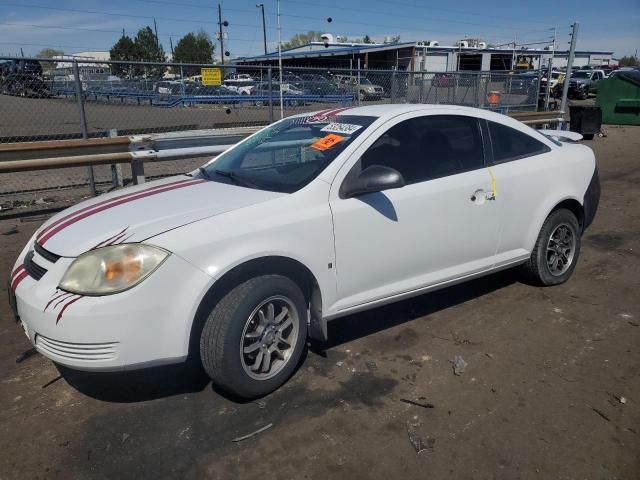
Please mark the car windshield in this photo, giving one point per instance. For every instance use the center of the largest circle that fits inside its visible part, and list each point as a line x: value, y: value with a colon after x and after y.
x: 581, y: 75
x: 287, y: 155
x: 365, y: 81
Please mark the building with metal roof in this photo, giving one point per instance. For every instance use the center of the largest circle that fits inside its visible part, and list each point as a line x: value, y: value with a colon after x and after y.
x: 419, y: 56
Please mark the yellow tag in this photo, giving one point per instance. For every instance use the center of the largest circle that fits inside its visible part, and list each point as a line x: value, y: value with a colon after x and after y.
x: 493, y: 182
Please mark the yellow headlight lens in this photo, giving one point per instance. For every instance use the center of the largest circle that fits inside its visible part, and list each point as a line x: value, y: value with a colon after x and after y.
x: 112, y: 269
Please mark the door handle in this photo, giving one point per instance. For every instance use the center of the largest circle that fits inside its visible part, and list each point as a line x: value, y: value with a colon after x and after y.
x: 480, y: 196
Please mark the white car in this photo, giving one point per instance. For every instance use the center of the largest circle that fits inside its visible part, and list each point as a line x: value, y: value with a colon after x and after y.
x: 312, y: 218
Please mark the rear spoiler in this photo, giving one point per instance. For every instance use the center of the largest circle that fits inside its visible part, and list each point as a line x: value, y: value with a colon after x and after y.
x: 562, y: 135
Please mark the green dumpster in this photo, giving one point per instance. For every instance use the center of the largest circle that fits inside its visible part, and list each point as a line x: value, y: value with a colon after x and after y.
x: 619, y: 98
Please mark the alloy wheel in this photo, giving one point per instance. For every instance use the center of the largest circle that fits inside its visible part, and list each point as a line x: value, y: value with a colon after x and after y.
x: 269, y: 337
x: 561, y: 249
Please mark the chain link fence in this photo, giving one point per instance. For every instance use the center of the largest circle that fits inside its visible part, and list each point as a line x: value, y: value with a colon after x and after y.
x: 71, y: 98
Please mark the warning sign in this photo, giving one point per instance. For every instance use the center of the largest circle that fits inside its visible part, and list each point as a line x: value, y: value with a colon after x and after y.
x: 211, y: 76
x: 327, y: 142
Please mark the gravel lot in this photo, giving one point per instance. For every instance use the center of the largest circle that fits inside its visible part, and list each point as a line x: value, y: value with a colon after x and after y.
x: 541, y: 397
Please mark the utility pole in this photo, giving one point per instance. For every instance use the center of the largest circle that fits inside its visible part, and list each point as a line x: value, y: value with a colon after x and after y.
x: 171, y: 45
x: 155, y: 31
x: 264, y: 27
x: 220, y: 34
x: 280, y: 60
x: 572, y: 52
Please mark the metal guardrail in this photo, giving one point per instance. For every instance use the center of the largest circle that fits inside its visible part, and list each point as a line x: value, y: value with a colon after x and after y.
x: 134, y: 150
x: 138, y: 149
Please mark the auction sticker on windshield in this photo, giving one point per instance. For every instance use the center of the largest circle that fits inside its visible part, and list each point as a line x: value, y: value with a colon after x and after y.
x: 344, y: 128
x: 326, y: 142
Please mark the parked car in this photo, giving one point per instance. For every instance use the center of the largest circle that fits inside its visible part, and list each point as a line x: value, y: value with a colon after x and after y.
x: 242, y: 89
x: 168, y: 87
x: 314, y: 217
x: 289, y: 93
x: 451, y: 79
x: 316, y: 84
x: 584, y: 82
x: 23, y: 78
x: 363, y: 88
x: 555, y: 84
x: 523, y: 84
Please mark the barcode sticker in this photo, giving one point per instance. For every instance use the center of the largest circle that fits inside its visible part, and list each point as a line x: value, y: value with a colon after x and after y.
x: 344, y: 128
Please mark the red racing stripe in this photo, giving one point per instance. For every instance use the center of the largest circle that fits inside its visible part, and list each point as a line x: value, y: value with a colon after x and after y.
x: 333, y: 113
x: 115, y: 203
x: 117, y: 239
x: 18, y: 279
x: 127, y: 195
x: 54, y: 299
x: 16, y: 271
x: 106, y: 242
x: 67, y: 305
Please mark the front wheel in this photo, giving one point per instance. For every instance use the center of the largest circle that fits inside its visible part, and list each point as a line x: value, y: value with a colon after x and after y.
x: 254, y: 337
x: 556, y: 251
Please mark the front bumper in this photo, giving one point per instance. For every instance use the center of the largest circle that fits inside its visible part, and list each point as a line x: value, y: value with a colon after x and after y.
x: 147, y: 325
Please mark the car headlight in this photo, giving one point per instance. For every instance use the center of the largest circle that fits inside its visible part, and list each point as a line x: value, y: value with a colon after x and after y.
x: 109, y: 270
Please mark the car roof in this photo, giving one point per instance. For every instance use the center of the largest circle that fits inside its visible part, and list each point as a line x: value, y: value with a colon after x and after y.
x: 392, y: 110
x: 389, y: 111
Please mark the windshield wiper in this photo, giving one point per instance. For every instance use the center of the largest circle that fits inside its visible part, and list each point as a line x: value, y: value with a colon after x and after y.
x: 239, y: 180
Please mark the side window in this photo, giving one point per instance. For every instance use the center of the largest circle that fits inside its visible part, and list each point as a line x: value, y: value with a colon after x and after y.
x: 428, y: 147
x: 510, y: 144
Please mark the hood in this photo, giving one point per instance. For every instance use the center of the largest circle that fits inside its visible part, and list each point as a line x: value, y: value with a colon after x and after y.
x: 138, y: 213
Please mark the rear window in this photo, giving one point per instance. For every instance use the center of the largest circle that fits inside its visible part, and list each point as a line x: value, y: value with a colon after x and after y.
x: 510, y: 144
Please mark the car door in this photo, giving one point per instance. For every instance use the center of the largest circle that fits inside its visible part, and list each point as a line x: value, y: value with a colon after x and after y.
x: 521, y: 170
x: 440, y: 226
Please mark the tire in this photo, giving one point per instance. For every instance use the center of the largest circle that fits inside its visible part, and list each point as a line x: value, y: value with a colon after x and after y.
x: 588, y: 136
x: 538, y: 269
x: 240, y: 321
x: 584, y: 94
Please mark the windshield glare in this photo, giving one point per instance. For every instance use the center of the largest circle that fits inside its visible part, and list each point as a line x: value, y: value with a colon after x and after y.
x: 287, y: 155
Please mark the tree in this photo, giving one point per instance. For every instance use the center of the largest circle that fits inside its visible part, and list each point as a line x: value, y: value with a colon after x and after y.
x: 194, y: 48
x: 302, y: 38
x: 148, y: 49
x: 49, y: 53
x: 628, y: 61
x: 49, y: 67
x: 367, y: 39
x: 124, y: 50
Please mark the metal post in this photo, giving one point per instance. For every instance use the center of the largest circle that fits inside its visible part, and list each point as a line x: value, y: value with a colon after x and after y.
x: 537, y: 97
x: 280, y: 59
x: 547, y: 93
x: 83, y: 122
x: 264, y: 27
x: 220, y: 33
x: 269, y: 72
x: 572, y: 52
x: 358, y: 80
x: 393, y: 86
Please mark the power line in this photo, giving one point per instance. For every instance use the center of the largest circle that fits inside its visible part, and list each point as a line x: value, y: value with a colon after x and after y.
x: 199, y: 20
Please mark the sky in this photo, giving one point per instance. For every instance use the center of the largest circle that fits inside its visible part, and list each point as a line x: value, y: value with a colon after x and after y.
x: 92, y: 25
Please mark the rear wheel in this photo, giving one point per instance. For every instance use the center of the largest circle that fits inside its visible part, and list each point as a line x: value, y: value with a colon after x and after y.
x: 556, y: 251
x: 255, y: 336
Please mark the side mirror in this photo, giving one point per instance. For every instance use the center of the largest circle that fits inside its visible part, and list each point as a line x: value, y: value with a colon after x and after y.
x: 375, y: 178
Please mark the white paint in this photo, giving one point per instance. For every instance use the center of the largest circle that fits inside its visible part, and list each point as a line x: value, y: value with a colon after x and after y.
x: 383, y: 247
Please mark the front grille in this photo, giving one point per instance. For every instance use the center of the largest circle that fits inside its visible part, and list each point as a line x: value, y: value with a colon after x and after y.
x: 44, y: 253
x: 90, y: 352
x: 32, y: 268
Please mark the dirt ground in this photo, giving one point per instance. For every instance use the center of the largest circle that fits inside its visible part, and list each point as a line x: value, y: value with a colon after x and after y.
x: 551, y: 390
